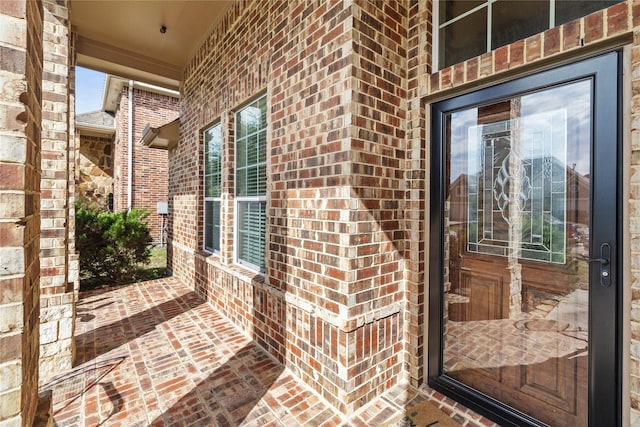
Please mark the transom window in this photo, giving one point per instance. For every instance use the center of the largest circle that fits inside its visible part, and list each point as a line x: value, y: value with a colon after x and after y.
x: 212, y: 184
x: 251, y: 184
x: 469, y: 28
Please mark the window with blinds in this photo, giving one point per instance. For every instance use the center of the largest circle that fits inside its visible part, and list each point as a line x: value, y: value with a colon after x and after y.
x: 251, y: 183
x: 212, y: 183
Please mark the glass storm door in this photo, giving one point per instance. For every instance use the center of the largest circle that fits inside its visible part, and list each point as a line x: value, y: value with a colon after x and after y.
x: 523, y: 308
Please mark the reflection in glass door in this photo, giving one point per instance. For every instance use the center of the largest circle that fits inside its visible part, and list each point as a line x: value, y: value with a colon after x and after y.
x: 514, y: 292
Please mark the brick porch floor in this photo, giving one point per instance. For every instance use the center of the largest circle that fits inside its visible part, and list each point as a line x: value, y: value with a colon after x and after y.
x: 153, y: 354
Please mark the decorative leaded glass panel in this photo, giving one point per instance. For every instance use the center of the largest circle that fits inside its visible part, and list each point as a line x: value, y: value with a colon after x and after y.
x: 517, y: 187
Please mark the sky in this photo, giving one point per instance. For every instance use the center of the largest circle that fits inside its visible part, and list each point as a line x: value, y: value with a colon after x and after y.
x: 89, y: 87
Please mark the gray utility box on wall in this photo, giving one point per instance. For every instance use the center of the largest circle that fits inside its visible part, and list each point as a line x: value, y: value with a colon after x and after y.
x: 163, y: 208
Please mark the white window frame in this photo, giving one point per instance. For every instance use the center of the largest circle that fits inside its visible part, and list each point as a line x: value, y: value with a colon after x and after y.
x: 218, y: 199
x: 247, y: 199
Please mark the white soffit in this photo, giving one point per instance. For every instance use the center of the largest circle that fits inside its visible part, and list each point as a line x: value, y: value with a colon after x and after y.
x: 124, y: 38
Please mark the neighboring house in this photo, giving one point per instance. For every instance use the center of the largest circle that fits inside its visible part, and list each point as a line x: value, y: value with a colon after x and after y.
x: 110, y: 174
x: 94, y: 180
x: 309, y: 182
x: 140, y: 173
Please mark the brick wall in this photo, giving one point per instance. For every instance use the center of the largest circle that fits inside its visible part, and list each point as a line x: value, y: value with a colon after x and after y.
x: 617, y: 26
x: 73, y: 257
x: 149, y: 179
x: 348, y: 86
x: 95, y: 166
x: 56, y: 243
x: 331, y: 304
x: 418, y: 56
x: 20, y: 110
x: 375, y: 247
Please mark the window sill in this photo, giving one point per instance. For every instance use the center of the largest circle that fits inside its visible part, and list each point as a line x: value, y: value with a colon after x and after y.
x: 237, y: 270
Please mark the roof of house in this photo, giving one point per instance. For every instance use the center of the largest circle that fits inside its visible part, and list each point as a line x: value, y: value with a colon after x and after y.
x: 96, y: 123
x: 96, y: 118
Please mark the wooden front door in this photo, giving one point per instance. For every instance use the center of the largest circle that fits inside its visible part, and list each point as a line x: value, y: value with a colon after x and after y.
x: 524, y: 284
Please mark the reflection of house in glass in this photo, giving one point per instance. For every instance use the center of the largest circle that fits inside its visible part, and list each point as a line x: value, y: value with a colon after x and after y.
x: 518, y: 179
x: 577, y: 199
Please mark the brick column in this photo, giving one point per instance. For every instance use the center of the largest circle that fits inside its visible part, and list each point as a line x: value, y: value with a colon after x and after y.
x: 416, y: 208
x: 57, y: 285
x: 73, y: 257
x: 20, y: 115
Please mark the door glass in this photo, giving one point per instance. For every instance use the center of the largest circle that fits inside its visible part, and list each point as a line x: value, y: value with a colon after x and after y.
x: 517, y: 232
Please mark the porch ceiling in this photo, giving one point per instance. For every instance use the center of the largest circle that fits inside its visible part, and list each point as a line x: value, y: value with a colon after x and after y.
x: 124, y: 38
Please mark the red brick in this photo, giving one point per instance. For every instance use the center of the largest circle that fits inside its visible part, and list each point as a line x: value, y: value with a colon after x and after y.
x: 617, y: 18
x: 635, y: 10
x: 11, y: 234
x: 458, y: 74
x: 434, y: 82
x: 472, y: 69
x: 312, y: 150
x: 445, y: 77
x: 593, y: 27
x: 15, y: 8
x: 571, y: 35
x: 12, y: 60
x: 10, y: 289
x: 11, y: 176
x: 533, y: 48
x: 22, y: 116
x: 552, y: 41
x: 501, y: 58
x: 486, y: 64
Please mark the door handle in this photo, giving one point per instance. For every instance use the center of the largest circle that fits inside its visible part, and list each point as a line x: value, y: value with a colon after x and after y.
x: 602, y: 261
x: 605, y: 264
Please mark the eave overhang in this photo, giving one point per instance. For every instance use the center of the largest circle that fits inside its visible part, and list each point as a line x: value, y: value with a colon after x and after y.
x: 164, y: 137
x: 95, y: 130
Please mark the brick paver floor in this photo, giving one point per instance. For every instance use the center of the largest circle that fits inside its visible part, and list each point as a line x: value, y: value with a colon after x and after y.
x: 154, y: 354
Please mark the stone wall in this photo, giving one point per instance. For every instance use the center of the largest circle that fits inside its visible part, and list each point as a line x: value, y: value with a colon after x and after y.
x: 95, y: 170
x: 150, y: 171
x: 58, y: 269
x: 20, y: 120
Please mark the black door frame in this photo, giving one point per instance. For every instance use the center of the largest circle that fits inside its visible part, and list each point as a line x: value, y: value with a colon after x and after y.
x: 605, y: 302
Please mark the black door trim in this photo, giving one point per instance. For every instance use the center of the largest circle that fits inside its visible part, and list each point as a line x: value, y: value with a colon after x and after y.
x: 605, y: 305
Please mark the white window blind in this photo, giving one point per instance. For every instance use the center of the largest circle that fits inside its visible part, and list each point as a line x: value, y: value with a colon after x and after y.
x: 251, y: 184
x: 212, y: 184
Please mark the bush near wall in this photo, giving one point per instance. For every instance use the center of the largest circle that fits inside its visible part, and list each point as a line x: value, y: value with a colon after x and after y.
x: 111, y: 244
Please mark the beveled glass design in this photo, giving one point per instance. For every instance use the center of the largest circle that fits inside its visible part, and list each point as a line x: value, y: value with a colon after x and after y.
x: 517, y: 170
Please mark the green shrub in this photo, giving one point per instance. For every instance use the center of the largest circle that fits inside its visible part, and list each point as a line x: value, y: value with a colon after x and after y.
x: 111, y: 245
